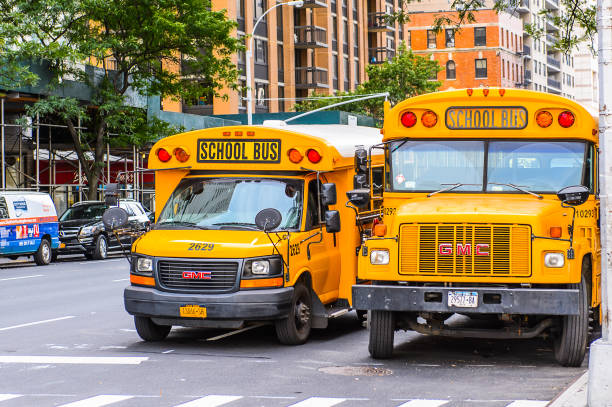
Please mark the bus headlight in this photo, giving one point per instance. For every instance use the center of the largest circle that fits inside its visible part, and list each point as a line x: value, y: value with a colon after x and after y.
x: 379, y: 257
x: 144, y: 265
x: 554, y: 260
x: 262, y: 267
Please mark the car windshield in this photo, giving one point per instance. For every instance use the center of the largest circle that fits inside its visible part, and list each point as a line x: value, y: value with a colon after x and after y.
x: 433, y: 165
x: 84, y: 212
x: 232, y: 203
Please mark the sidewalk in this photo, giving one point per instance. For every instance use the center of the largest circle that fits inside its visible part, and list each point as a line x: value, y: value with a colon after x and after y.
x: 573, y: 396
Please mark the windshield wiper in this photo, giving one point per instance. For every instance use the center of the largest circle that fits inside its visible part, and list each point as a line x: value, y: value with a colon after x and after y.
x: 243, y: 224
x: 518, y: 188
x: 179, y: 223
x: 450, y: 187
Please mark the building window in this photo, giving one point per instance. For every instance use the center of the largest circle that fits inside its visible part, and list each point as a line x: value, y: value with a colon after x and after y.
x: 261, y: 51
x: 335, y: 66
x: 261, y: 95
x: 345, y: 34
x: 503, y: 69
x: 450, y: 70
x: 356, y: 73
x: 450, y: 38
x: 281, y: 63
x: 480, y: 36
x: 481, y: 68
x: 259, y: 8
x: 431, y: 39
x: 409, y: 39
x: 281, y: 96
x: 243, y: 94
x: 239, y: 8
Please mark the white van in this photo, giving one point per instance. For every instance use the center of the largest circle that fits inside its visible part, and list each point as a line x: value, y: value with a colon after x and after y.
x: 28, y: 225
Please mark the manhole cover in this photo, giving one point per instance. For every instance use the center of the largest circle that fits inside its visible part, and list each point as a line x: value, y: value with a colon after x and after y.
x: 356, y: 371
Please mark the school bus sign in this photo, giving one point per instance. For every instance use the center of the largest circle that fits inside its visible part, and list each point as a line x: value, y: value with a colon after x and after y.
x: 486, y: 118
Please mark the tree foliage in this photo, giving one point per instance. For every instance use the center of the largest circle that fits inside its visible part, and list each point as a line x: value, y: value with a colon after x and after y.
x: 576, y: 18
x: 137, y: 46
x: 403, y: 76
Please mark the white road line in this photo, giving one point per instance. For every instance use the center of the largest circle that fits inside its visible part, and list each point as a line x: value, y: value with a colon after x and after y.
x: 97, y: 401
x: 76, y: 360
x: 36, y: 323
x: 318, y: 402
x: 424, y: 403
x: 121, y: 279
x: 528, y: 403
x: 4, y: 397
x: 22, y: 277
x: 210, y: 401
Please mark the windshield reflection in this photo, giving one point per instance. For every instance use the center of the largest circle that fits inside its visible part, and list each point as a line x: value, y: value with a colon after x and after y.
x: 232, y: 203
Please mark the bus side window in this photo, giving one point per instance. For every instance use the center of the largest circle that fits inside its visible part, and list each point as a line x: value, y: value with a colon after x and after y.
x: 3, y: 208
x: 377, y: 181
x: 312, y: 206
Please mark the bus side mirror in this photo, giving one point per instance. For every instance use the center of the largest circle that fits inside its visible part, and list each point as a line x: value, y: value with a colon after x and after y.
x: 359, y: 197
x: 328, y: 194
x: 332, y: 221
x: 361, y: 160
x: 115, y: 218
x: 574, y: 196
x: 360, y: 181
x: 111, y: 195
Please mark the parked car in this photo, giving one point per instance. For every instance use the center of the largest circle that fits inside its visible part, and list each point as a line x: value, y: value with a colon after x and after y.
x: 28, y: 225
x: 81, y: 229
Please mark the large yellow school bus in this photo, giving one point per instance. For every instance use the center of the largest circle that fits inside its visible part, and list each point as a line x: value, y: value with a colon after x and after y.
x: 248, y: 230
x: 491, y: 211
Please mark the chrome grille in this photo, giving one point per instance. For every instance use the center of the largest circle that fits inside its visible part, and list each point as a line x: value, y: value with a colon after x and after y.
x: 223, y: 274
x: 69, y: 233
x: 508, y: 248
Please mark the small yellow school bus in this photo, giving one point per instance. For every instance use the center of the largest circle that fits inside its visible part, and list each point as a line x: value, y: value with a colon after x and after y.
x: 490, y: 210
x: 248, y: 229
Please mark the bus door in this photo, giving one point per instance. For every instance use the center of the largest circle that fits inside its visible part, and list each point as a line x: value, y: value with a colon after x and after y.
x: 324, y: 262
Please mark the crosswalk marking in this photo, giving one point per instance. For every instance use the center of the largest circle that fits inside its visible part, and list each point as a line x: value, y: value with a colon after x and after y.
x: 527, y: 403
x: 424, y: 403
x: 318, y: 402
x: 78, y: 360
x: 98, y: 401
x: 210, y: 401
x: 4, y: 397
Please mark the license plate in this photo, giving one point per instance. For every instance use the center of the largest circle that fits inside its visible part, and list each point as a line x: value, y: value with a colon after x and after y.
x: 193, y: 311
x: 463, y: 299
x: 62, y: 245
x: 238, y: 151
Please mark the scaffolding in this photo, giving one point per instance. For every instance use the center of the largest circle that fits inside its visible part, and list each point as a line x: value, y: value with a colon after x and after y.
x: 26, y: 149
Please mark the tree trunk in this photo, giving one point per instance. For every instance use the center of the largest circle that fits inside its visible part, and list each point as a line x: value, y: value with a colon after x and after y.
x: 93, y: 169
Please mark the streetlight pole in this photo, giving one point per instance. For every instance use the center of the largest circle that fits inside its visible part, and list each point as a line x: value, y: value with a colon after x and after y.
x: 249, y: 53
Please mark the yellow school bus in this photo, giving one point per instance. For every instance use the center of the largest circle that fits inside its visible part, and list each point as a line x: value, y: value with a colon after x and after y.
x: 248, y: 230
x: 490, y: 210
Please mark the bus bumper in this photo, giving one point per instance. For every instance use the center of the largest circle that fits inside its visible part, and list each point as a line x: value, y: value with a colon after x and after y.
x: 252, y: 305
x: 494, y: 300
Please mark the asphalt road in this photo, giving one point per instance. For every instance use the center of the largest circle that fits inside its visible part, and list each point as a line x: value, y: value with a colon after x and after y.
x: 65, y: 340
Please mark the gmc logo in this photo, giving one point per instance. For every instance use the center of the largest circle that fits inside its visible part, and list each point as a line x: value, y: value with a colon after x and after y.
x: 446, y: 249
x: 197, y: 275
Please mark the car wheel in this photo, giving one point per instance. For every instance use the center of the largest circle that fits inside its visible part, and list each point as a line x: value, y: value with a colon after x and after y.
x: 101, y: 250
x: 149, y: 330
x: 42, y: 257
x: 295, y: 329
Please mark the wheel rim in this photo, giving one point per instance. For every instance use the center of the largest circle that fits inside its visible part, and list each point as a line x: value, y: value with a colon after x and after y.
x: 302, y: 314
x: 46, y: 252
x: 102, y: 247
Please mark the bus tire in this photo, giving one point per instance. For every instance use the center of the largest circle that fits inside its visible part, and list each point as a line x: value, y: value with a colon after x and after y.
x: 382, y: 331
x: 149, y: 331
x: 295, y: 329
x: 42, y: 257
x: 571, y: 342
x: 101, y: 248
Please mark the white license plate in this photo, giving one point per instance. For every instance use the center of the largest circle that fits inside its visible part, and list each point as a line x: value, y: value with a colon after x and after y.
x: 464, y: 299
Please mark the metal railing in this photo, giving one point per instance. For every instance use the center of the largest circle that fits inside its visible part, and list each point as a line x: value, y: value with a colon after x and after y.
x: 379, y: 55
x: 314, y: 3
x: 527, y: 75
x: 553, y: 62
x: 526, y: 50
x: 553, y: 83
x: 379, y: 21
x: 308, y: 36
x: 311, y: 77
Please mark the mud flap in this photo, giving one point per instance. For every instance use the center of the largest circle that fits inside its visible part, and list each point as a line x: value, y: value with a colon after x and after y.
x: 319, y: 312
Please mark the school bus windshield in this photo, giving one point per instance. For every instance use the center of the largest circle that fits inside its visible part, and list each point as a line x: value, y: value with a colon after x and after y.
x: 537, y: 166
x: 232, y: 203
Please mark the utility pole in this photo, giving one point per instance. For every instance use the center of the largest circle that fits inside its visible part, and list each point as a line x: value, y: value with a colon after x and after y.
x: 600, y: 357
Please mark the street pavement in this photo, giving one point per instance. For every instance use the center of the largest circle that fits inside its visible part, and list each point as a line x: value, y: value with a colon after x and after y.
x: 66, y: 340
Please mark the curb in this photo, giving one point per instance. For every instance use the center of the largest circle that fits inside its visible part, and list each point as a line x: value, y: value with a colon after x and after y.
x: 575, y: 395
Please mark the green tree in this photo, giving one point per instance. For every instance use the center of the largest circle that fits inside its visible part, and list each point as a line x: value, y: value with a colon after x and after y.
x: 577, y: 20
x: 404, y: 76
x: 138, y: 47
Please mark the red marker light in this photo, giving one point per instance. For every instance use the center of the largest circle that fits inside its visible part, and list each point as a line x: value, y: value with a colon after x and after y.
x: 470, y: 91
x: 408, y: 119
x: 181, y: 154
x: 502, y: 92
x: 429, y: 119
x: 313, y: 156
x: 485, y: 92
x: 163, y: 155
x: 566, y: 119
x: 544, y: 119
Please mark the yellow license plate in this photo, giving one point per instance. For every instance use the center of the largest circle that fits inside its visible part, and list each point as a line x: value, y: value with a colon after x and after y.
x: 193, y: 311
x: 238, y: 151
x: 62, y: 245
x: 486, y: 118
